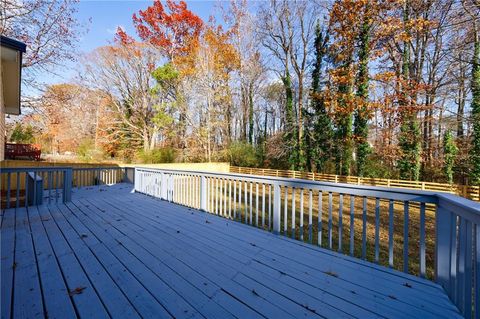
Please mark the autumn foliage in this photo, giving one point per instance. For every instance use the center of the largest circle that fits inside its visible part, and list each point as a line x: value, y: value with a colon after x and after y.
x: 170, y: 27
x: 363, y: 87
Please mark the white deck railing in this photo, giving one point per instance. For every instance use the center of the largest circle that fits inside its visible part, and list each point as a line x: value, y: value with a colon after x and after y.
x: 422, y: 233
x: 24, y: 186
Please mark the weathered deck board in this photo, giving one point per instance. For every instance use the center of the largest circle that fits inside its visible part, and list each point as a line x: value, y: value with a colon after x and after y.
x: 214, y: 260
x: 138, y: 256
x: 167, y: 256
x: 83, y: 295
x: 385, y: 304
x: 146, y: 305
x: 112, y: 297
x: 171, y: 278
x: 220, y: 265
x: 57, y: 299
x: 113, y: 230
x: 26, y: 293
x: 7, y: 246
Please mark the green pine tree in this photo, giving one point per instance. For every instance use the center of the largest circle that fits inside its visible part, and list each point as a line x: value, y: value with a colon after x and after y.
x: 322, y: 125
x: 362, y: 84
x: 343, y: 127
x: 409, y: 139
x: 475, y: 86
x: 450, y: 152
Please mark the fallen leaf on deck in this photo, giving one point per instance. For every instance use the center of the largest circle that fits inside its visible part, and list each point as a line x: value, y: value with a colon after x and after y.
x: 331, y: 273
x: 309, y: 309
x: 76, y: 291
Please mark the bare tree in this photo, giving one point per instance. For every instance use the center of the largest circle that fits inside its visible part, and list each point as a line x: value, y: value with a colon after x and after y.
x: 124, y: 72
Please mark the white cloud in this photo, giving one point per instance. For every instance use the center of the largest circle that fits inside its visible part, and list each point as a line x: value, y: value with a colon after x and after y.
x: 114, y: 29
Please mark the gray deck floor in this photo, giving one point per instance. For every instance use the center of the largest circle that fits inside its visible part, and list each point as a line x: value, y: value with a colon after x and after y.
x: 113, y: 253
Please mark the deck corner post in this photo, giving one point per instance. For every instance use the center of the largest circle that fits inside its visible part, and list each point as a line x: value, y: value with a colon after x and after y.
x: 67, y: 185
x: 276, y: 208
x: 203, y: 193
x: 443, y: 248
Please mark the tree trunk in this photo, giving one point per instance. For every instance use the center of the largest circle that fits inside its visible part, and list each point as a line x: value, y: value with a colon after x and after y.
x: 290, y: 132
x: 300, y: 141
x: 250, y: 113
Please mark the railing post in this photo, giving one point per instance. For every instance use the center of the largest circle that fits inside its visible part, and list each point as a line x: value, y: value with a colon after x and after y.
x: 67, y: 185
x: 445, y: 224
x: 276, y: 208
x: 172, y: 188
x: 136, y: 180
x: 203, y: 193
x: 163, y: 186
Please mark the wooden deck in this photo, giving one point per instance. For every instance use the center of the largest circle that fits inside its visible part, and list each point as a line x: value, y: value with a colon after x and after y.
x: 113, y: 253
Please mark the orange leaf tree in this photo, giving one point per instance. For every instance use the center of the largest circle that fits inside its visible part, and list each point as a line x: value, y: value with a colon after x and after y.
x: 170, y: 27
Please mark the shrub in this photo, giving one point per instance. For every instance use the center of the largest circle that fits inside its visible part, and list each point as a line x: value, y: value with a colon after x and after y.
x: 376, y: 168
x: 450, y: 151
x: 86, y: 151
x: 242, y: 154
x: 158, y: 155
x: 22, y: 134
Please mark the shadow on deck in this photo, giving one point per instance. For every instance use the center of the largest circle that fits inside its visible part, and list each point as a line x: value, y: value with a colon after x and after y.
x: 113, y: 253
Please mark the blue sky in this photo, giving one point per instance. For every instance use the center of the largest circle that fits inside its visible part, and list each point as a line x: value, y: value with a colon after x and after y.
x: 102, y: 19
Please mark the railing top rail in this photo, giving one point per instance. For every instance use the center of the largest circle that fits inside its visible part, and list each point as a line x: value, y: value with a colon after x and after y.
x: 33, y: 168
x: 53, y: 168
x: 400, y: 194
x: 460, y: 206
x: 97, y: 168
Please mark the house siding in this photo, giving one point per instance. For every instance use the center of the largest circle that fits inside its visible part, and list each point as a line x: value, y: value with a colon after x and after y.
x: 2, y: 118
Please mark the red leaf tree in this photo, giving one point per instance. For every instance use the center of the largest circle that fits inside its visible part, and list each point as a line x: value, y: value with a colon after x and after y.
x: 170, y: 27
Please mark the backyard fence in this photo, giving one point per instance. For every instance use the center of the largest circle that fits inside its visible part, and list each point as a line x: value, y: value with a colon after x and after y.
x: 467, y: 191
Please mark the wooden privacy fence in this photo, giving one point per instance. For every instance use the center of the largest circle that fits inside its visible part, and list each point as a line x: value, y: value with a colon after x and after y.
x: 397, y: 228
x: 467, y: 191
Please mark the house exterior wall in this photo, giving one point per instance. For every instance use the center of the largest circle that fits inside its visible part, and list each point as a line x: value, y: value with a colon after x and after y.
x: 2, y: 118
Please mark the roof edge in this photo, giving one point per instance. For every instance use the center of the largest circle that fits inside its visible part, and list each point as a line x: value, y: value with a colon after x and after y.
x: 13, y: 44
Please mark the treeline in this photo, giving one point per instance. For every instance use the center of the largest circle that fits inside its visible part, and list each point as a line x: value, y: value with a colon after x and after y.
x: 367, y: 88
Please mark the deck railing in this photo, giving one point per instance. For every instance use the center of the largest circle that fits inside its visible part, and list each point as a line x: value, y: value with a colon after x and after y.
x: 468, y: 191
x: 20, y: 185
x: 423, y: 233
x: 96, y: 176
